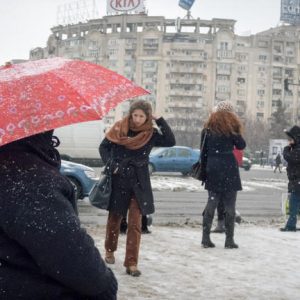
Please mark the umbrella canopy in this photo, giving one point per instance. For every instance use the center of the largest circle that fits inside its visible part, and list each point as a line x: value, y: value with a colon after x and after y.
x: 40, y: 95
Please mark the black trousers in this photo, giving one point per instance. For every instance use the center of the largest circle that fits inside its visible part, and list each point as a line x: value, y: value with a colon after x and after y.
x: 228, y: 199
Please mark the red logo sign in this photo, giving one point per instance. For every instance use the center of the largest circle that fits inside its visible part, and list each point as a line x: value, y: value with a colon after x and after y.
x: 123, y: 5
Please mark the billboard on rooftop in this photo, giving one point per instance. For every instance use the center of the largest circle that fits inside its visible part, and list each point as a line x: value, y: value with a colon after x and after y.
x: 290, y: 11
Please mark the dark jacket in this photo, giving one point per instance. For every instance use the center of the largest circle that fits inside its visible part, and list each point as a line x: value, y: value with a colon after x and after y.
x: 44, y: 253
x: 133, y: 177
x: 278, y: 159
x: 292, y: 155
x: 221, y: 167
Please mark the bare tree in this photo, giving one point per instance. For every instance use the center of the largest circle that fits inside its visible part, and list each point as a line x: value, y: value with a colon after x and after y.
x: 187, y: 126
x: 279, y: 122
x: 257, y: 135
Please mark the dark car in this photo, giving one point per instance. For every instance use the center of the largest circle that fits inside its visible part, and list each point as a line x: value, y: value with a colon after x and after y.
x: 82, y: 177
x: 173, y: 159
x: 246, y: 164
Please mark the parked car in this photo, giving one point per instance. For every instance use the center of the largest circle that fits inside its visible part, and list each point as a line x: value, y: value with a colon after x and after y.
x: 246, y: 164
x: 173, y: 159
x: 82, y: 177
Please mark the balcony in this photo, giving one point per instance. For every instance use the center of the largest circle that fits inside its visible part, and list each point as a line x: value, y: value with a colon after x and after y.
x: 150, y: 46
x: 224, y: 54
x: 181, y: 92
x: 188, y: 81
x: 184, y: 104
x: 223, y: 71
x: 184, y: 69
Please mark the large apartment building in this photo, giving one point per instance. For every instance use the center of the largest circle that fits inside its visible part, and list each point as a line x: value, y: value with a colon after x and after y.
x: 188, y: 64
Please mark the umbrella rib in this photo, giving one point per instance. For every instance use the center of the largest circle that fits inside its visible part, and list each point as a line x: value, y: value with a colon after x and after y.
x: 82, y: 97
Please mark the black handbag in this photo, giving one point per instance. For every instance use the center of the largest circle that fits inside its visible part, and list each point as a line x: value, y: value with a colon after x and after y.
x: 100, y: 194
x: 198, y: 170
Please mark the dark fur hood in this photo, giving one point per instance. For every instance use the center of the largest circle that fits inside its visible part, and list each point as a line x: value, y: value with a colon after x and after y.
x: 294, y: 133
x: 42, y: 144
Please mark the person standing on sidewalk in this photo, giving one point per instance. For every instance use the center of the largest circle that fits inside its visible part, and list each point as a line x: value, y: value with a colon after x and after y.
x: 223, y: 132
x: 278, y: 162
x: 128, y: 144
x: 291, y: 154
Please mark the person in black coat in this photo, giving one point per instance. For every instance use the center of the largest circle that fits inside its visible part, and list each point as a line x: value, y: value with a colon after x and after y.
x: 291, y: 154
x: 126, y: 147
x: 145, y: 229
x: 278, y: 163
x: 221, y: 134
x: 45, y: 254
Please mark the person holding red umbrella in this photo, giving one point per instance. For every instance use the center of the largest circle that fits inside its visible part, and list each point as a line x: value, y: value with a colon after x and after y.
x: 127, y: 146
x: 45, y: 254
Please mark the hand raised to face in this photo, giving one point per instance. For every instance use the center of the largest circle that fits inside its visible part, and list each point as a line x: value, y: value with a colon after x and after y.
x: 155, y: 117
x: 291, y: 142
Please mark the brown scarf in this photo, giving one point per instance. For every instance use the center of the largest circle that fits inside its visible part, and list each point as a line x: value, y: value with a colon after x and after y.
x: 118, y: 133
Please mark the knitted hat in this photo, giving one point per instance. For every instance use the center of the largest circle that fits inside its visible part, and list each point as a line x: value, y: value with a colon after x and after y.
x: 224, y: 106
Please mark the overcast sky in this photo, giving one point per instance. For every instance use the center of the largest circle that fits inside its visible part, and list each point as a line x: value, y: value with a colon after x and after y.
x: 25, y: 24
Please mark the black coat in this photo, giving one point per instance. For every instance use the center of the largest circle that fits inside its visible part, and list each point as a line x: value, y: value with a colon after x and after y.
x: 44, y: 253
x: 133, y: 176
x: 221, y: 167
x: 292, y: 155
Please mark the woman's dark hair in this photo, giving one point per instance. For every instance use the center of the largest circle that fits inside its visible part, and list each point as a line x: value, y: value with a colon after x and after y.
x: 142, y: 105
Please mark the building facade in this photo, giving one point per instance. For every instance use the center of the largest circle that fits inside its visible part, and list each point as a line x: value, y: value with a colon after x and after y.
x: 188, y: 65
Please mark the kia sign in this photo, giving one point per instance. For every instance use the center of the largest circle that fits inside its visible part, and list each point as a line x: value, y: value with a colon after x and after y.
x: 290, y: 11
x: 124, y: 6
x: 186, y: 4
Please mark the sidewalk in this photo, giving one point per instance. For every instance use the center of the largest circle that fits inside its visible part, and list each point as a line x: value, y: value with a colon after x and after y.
x: 174, y: 266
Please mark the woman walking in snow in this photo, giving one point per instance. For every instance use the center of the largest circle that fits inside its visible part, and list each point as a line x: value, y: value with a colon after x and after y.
x: 128, y: 144
x: 222, y: 133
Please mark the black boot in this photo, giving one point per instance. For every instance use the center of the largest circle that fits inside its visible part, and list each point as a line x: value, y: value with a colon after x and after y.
x: 230, y: 244
x: 123, y: 226
x: 207, y: 222
x: 229, y: 230
x: 206, y: 242
x: 145, y: 229
x: 220, y: 228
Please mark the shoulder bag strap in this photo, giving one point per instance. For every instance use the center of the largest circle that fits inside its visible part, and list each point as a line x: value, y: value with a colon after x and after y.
x: 204, y: 139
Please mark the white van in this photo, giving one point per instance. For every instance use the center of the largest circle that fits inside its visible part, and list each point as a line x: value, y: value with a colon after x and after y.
x: 80, y: 142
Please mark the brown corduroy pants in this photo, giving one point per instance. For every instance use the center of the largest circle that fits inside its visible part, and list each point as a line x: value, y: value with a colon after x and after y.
x: 133, y: 233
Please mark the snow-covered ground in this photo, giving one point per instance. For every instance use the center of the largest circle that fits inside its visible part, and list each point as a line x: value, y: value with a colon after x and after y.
x: 174, y: 266
x: 170, y: 182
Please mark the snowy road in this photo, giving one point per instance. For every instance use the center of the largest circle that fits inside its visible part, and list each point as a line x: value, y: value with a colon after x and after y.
x: 181, y: 200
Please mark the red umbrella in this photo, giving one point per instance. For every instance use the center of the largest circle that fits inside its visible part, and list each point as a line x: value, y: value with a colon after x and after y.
x: 40, y: 95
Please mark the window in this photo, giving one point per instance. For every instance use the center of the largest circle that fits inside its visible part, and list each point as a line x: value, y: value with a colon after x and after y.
x: 263, y: 44
x: 184, y: 153
x: 262, y: 57
x: 260, y: 92
x: 278, y: 48
x: 169, y: 153
x: 242, y: 68
x: 241, y: 92
x: 224, y: 46
x: 241, y: 80
x: 260, y: 104
x: 259, y: 115
x: 276, y: 92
